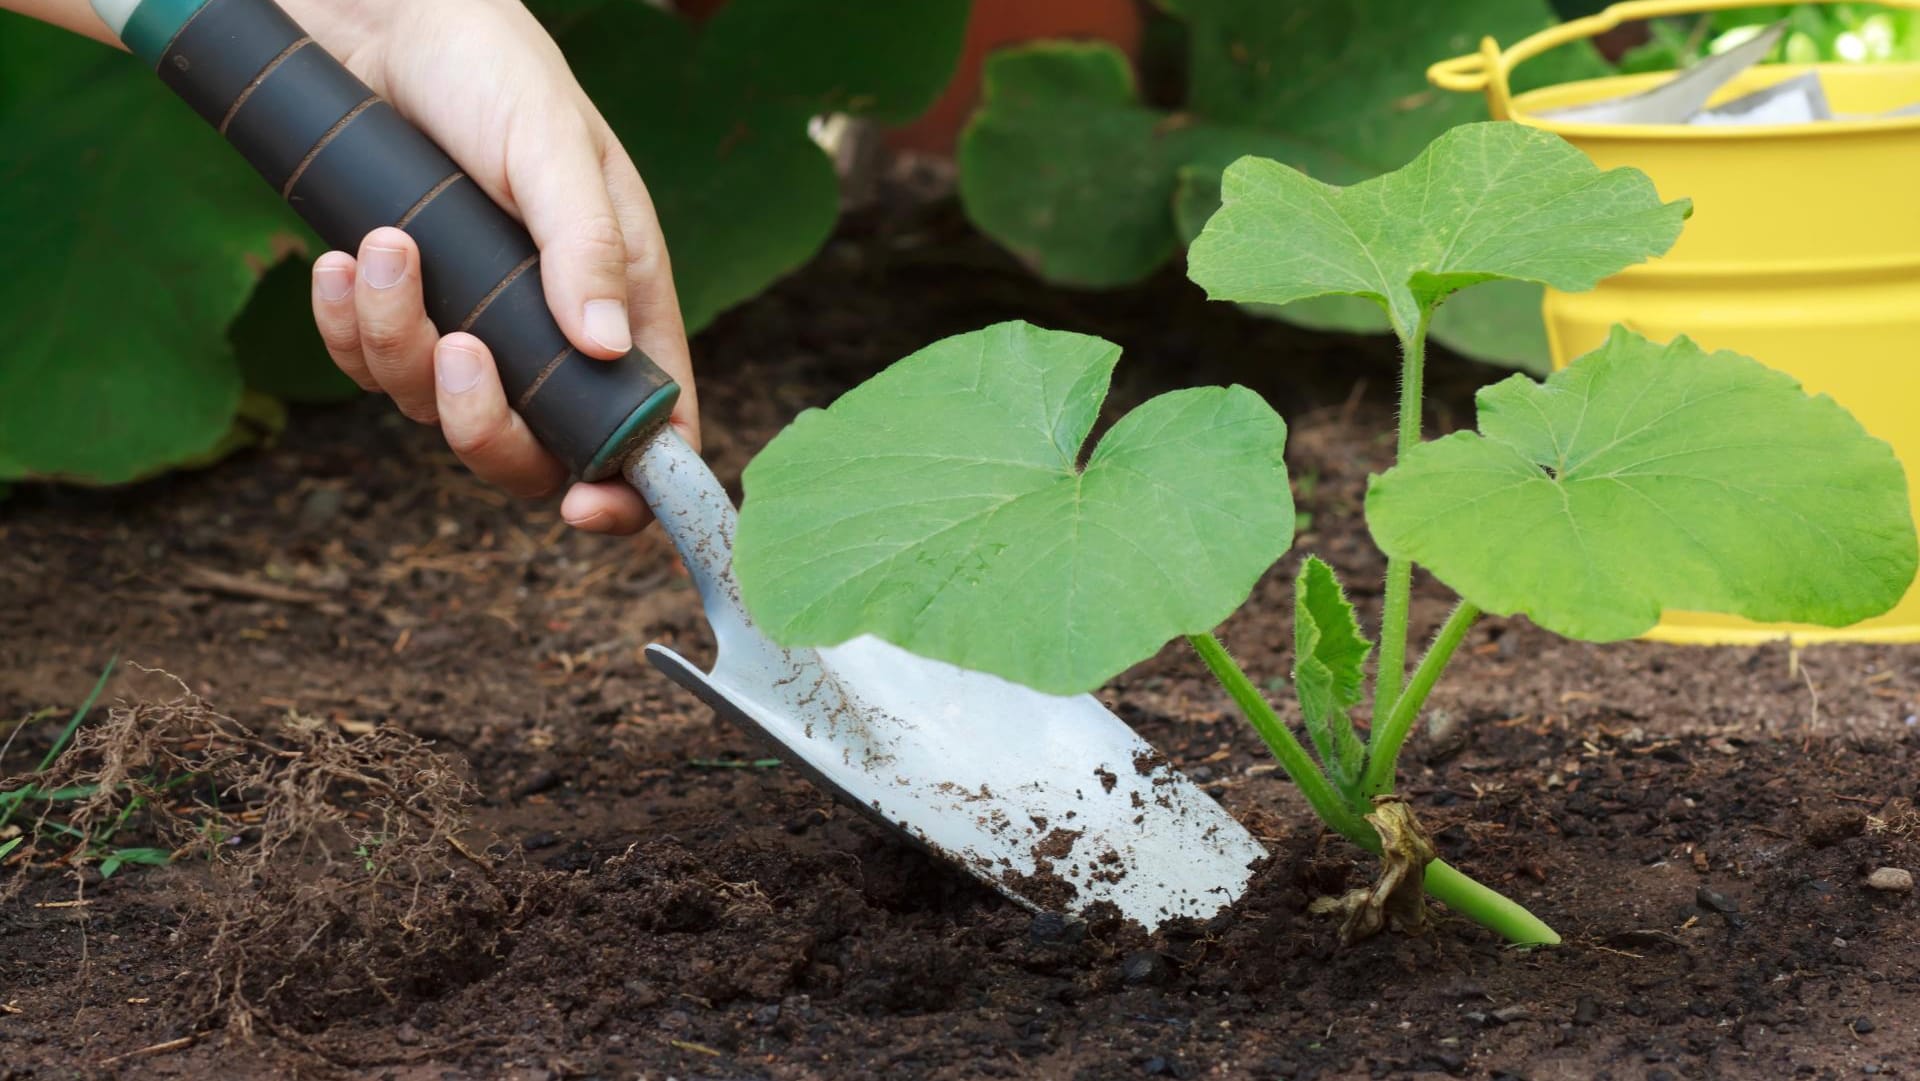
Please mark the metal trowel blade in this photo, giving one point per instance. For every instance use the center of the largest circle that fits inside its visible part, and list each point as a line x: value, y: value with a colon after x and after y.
x: 1050, y: 799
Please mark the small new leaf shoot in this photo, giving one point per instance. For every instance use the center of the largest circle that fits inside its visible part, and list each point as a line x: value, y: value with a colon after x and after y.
x: 1329, y: 671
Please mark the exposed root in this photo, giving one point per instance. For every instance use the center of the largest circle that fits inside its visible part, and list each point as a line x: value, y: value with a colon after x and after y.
x: 337, y: 881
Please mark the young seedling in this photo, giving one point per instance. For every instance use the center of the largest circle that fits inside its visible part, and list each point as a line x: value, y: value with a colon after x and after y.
x: 943, y: 505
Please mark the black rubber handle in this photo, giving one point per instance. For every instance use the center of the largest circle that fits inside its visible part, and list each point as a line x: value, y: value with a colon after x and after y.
x: 349, y: 164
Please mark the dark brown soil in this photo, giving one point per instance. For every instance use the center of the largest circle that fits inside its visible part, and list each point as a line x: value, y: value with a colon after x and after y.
x: 1699, y: 824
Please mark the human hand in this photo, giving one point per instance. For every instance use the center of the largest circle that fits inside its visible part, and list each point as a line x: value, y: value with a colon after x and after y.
x: 484, y: 80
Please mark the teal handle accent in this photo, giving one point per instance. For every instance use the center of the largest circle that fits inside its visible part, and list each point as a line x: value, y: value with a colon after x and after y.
x: 153, y: 24
x: 653, y: 413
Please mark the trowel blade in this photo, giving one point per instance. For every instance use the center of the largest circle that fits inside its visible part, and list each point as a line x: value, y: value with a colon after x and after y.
x: 1052, y: 800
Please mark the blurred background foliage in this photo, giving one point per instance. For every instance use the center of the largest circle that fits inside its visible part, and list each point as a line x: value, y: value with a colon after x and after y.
x: 1837, y: 33
x: 157, y: 314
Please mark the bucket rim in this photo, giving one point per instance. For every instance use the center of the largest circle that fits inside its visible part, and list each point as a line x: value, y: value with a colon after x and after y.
x: 1572, y: 129
x: 1489, y: 71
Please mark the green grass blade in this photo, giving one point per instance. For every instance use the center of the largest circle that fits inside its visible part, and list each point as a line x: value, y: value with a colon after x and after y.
x: 138, y: 857
x: 79, y: 715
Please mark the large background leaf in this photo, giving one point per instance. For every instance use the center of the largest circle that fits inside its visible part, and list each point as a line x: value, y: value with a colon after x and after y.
x: 276, y: 343
x: 1485, y: 201
x: 136, y: 237
x: 1647, y: 477
x: 939, y: 506
x: 1069, y: 169
x: 715, y: 117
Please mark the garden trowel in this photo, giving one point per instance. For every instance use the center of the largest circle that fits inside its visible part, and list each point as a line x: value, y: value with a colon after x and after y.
x: 1052, y: 800
x: 1680, y: 98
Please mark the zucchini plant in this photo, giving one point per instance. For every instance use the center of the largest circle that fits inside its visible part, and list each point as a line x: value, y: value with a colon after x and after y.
x: 945, y: 506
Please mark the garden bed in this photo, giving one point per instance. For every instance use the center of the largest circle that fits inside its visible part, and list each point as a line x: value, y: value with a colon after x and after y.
x: 1698, y: 824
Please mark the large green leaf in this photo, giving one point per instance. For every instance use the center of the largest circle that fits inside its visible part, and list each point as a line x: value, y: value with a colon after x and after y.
x: 1647, y: 477
x: 1329, y: 667
x: 1068, y: 168
x: 716, y: 117
x: 1065, y: 167
x: 134, y: 233
x: 1499, y: 321
x: 939, y: 506
x: 1484, y: 202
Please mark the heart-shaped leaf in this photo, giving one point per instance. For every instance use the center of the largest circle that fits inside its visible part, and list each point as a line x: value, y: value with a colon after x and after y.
x: 939, y: 506
x: 1497, y: 322
x: 1329, y: 667
x: 1647, y: 477
x: 1485, y: 201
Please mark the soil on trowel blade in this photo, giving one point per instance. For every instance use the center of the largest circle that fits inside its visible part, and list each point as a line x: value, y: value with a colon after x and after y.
x: 652, y: 897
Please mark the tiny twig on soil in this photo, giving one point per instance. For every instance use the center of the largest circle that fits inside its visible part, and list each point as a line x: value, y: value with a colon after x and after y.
x: 208, y: 580
x: 696, y: 1048
x: 153, y: 1049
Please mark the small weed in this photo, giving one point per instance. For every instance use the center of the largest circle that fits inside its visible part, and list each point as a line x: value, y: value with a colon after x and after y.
x: 335, y: 880
x: 95, y: 845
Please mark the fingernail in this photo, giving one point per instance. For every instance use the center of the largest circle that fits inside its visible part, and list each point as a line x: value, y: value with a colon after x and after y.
x: 607, y: 325
x: 588, y: 522
x: 332, y: 282
x: 383, y: 266
x: 457, y: 369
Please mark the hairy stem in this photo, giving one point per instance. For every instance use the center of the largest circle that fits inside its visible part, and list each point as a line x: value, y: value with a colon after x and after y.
x: 1383, y: 746
x: 1332, y: 808
x: 1392, y: 670
x: 1444, y: 883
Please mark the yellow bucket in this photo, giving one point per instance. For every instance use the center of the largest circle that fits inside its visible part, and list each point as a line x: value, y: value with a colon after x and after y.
x: 1803, y: 251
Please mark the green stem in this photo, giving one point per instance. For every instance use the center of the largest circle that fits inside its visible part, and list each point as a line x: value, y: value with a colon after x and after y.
x: 1484, y: 906
x: 1383, y: 746
x: 1327, y: 803
x: 1392, y: 671
x: 1447, y: 885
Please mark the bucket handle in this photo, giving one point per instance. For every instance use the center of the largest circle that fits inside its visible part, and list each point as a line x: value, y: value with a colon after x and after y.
x: 1489, y: 70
